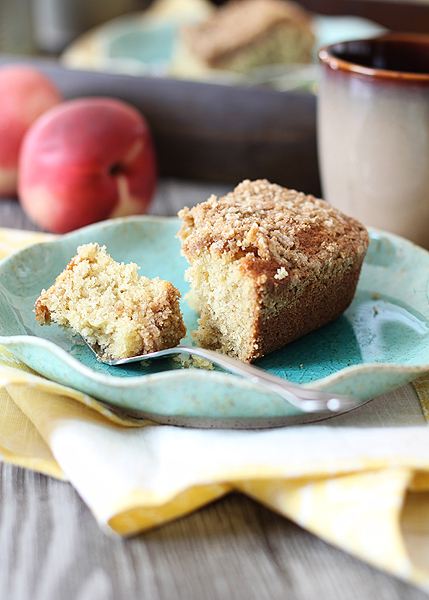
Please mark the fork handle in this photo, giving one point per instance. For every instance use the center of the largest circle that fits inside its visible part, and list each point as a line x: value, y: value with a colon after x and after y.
x: 305, y: 400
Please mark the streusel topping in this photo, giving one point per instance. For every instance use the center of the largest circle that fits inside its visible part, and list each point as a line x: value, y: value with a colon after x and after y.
x: 272, y: 223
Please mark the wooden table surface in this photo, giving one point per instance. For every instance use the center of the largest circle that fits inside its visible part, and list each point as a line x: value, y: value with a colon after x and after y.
x: 52, y: 549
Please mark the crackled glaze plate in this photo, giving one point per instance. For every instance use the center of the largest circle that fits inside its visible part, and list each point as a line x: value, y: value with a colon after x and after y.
x: 380, y: 343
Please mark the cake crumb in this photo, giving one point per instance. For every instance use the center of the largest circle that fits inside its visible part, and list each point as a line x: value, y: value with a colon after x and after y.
x: 196, y: 362
x: 281, y: 273
x: 202, y: 363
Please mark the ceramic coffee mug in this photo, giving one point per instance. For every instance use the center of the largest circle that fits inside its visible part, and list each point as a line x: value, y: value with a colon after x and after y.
x: 373, y: 132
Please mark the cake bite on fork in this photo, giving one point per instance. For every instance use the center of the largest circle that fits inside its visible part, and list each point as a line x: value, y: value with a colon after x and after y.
x: 111, y: 306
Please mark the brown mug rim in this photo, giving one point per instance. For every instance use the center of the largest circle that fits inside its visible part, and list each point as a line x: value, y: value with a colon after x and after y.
x: 325, y: 57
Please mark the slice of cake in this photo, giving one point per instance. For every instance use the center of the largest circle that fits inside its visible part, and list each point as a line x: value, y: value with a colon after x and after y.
x: 111, y: 306
x: 268, y: 265
x: 244, y: 34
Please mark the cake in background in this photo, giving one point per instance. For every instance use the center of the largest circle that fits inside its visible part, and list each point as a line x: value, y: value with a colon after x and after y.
x: 155, y: 42
x: 243, y: 35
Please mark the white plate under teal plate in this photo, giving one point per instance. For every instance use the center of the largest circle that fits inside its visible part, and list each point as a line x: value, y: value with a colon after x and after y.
x: 380, y: 343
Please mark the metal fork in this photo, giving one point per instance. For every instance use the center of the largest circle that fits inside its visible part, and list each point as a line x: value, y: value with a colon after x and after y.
x: 304, y: 399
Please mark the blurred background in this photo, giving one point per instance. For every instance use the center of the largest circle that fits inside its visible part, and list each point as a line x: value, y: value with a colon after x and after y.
x: 204, y: 128
x: 48, y: 26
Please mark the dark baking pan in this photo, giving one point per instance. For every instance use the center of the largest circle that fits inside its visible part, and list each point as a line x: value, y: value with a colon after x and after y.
x: 212, y: 132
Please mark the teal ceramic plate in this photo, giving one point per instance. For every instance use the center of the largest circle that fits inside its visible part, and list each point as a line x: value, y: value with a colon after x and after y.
x: 379, y: 344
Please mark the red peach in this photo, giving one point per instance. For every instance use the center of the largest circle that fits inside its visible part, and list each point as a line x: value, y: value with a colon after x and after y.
x: 26, y: 93
x: 84, y: 161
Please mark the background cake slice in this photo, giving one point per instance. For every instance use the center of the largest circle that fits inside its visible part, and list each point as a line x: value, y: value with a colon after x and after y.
x: 268, y: 265
x: 111, y: 306
x: 242, y: 35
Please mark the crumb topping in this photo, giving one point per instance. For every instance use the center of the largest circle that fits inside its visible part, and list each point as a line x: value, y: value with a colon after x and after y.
x: 272, y: 223
x: 281, y: 273
x: 240, y: 22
